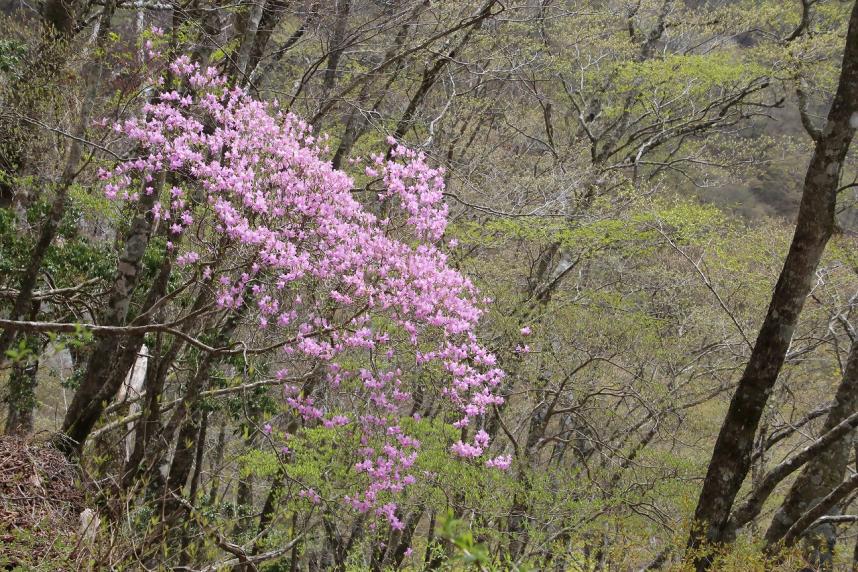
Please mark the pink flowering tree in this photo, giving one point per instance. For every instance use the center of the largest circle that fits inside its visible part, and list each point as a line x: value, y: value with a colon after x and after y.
x: 362, y: 300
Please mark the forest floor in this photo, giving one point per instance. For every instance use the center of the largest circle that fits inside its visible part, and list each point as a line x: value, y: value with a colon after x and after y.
x: 41, y: 501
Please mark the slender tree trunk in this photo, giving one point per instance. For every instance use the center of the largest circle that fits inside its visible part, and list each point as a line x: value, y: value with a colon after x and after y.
x: 244, y: 496
x: 272, y: 15
x: 258, y: 73
x: 185, y: 557
x: 149, y: 426
x: 293, y: 555
x: 47, y: 233
x: 187, y: 419
x: 517, y: 521
x: 199, y: 457
x: 22, y: 391
x: 731, y: 456
x: 249, y: 40
x: 436, y: 550
x: 186, y: 443
x: 401, y: 540
x: 336, y: 46
x: 216, y: 463
x: 333, y: 540
x: 855, y: 546
x: 112, y: 355
x: 269, y: 510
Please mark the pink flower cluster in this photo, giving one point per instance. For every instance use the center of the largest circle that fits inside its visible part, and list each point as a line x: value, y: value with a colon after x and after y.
x: 311, y: 495
x: 253, y: 205
x: 420, y: 190
x: 501, y: 462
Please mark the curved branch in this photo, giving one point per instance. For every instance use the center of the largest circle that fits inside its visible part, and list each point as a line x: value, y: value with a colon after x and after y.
x: 818, y: 511
x: 752, y: 506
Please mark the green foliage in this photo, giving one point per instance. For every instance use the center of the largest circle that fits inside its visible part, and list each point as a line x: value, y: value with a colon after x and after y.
x: 12, y: 54
x: 679, y: 77
x: 259, y: 463
x: 38, y: 549
x: 468, y: 551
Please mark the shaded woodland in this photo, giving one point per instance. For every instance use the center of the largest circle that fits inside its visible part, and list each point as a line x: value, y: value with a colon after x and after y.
x: 425, y: 285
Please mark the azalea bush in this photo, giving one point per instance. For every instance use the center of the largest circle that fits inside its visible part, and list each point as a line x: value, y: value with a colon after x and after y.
x: 363, y: 304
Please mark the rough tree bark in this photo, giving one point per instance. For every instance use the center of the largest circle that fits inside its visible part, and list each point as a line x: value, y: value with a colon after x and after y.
x: 112, y: 356
x: 248, y: 41
x: 731, y: 457
x: 100, y: 382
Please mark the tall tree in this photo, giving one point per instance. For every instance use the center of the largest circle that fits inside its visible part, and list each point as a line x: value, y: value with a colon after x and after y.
x: 731, y: 456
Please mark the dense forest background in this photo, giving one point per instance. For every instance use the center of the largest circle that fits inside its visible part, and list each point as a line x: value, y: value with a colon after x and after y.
x: 653, y: 198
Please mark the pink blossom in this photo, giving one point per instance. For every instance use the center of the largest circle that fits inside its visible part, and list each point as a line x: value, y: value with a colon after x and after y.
x: 481, y: 438
x: 466, y: 450
x: 311, y: 495
x: 315, y: 268
x: 501, y: 462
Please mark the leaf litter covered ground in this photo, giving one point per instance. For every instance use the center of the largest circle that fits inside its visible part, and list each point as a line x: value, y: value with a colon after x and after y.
x: 41, y: 499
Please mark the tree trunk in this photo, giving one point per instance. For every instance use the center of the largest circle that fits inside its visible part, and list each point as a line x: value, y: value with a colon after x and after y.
x: 186, y: 444
x: 22, y: 391
x: 185, y: 557
x: 731, y: 456
x: 113, y: 355
x: 215, y: 464
x: 396, y: 552
x: 248, y: 41
x: 272, y: 15
x: 188, y: 417
x: 336, y: 46
x: 517, y: 520
x: 149, y: 427
x: 269, y: 510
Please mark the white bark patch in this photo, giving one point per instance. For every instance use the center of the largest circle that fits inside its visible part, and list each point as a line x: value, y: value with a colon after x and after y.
x: 131, y: 389
x: 89, y: 523
x: 853, y: 120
